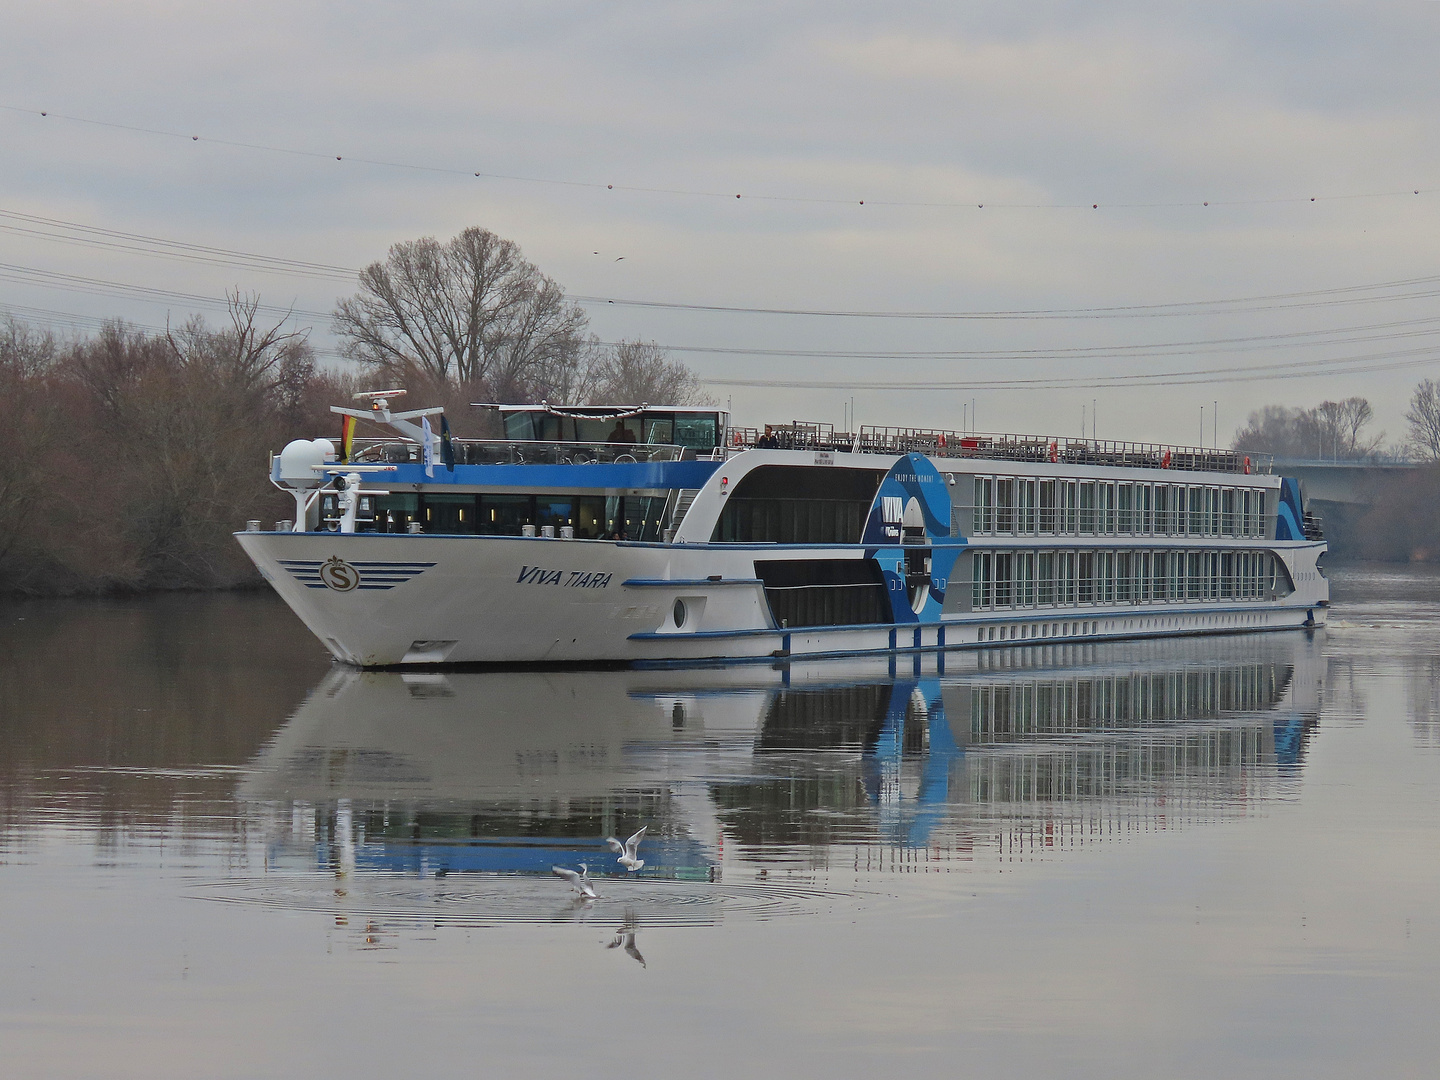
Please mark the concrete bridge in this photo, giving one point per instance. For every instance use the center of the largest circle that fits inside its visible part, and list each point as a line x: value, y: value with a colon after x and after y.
x: 1351, y: 483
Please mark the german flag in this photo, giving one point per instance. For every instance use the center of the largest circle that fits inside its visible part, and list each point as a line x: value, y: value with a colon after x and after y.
x: 347, y: 437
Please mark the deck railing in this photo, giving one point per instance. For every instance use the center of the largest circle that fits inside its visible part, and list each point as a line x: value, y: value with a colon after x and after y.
x: 516, y: 452
x: 806, y: 435
x: 939, y: 443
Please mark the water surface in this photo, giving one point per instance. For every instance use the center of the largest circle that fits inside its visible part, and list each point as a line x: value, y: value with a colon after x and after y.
x: 221, y: 855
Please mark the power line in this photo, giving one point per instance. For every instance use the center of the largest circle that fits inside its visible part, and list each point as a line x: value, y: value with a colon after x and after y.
x: 94, y: 234
x: 1410, y: 329
x: 91, y: 322
x: 1373, y: 362
x: 1350, y: 335
x: 1308, y: 368
x: 75, y: 234
x: 96, y: 286
x: 1423, y: 288
x: 1417, y: 288
x: 1277, y: 372
x: 976, y: 203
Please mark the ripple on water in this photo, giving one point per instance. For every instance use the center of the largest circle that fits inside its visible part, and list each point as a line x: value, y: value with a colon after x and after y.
x: 494, y: 899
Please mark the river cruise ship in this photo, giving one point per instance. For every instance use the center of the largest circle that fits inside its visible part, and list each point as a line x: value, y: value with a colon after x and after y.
x: 651, y: 534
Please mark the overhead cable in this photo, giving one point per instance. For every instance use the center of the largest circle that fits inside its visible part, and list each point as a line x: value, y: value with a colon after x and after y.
x: 974, y: 202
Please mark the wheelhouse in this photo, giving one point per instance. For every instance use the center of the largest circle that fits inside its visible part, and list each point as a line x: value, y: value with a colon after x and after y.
x: 702, y: 432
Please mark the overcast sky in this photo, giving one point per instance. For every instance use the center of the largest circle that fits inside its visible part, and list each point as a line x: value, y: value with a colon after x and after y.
x: 978, y: 136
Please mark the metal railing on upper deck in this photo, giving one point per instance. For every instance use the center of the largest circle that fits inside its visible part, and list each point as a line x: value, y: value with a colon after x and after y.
x: 517, y: 452
x: 938, y: 443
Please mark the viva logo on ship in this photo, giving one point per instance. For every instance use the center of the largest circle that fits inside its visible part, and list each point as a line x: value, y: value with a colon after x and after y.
x: 908, y: 533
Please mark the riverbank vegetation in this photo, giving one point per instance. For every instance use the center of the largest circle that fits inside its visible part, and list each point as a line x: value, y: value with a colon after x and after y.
x: 132, y: 455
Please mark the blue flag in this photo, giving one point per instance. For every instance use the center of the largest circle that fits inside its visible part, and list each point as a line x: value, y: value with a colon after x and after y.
x: 447, y: 451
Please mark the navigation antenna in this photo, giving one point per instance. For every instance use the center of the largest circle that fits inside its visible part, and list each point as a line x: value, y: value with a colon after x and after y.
x: 379, y: 411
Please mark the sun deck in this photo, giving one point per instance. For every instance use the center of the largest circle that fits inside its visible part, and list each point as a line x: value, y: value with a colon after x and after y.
x: 944, y: 443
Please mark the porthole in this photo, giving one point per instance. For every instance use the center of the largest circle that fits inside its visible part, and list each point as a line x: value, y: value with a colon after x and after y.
x: 679, y: 613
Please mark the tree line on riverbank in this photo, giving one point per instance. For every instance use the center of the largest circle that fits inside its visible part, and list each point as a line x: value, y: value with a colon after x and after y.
x: 132, y: 455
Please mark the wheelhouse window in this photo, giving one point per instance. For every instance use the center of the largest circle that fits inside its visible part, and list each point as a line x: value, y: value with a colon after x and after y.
x: 701, y: 431
x: 697, y: 431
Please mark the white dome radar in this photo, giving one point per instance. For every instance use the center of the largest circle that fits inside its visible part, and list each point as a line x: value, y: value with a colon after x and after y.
x: 300, y: 462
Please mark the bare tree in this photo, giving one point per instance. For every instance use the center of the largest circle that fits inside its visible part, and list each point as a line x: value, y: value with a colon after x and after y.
x: 258, y: 361
x: 35, y: 427
x: 1338, y: 425
x: 639, y: 372
x: 1354, y: 415
x: 25, y: 353
x: 470, y: 311
x: 545, y: 335
x: 1331, y: 429
x: 1424, y: 420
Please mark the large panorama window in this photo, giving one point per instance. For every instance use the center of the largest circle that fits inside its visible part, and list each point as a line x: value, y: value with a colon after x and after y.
x: 788, y: 504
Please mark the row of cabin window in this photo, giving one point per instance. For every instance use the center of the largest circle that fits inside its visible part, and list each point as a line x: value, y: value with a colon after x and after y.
x: 1045, y: 578
x: 1028, y: 507
x: 630, y: 517
x: 1074, y: 704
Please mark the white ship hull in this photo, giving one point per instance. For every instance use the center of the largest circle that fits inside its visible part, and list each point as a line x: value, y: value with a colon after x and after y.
x: 379, y: 600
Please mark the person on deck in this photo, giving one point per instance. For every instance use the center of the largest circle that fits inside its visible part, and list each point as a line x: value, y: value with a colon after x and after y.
x: 621, y: 434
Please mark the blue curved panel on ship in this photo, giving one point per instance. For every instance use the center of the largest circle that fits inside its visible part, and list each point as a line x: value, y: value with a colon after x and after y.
x: 1290, y: 513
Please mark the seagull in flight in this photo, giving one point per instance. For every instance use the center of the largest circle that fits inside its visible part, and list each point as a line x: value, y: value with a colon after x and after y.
x: 579, y: 882
x: 627, y: 857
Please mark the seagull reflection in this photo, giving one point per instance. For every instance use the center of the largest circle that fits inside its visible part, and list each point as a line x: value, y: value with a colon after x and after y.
x: 625, y: 938
x: 577, y: 909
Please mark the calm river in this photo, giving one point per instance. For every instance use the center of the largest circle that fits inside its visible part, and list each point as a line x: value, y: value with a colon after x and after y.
x: 223, y: 856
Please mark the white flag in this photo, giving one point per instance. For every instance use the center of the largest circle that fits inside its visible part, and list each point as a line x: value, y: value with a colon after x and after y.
x: 427, y: 446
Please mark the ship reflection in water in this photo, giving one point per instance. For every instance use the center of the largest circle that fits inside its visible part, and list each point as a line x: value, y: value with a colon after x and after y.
x: 476, y: 784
